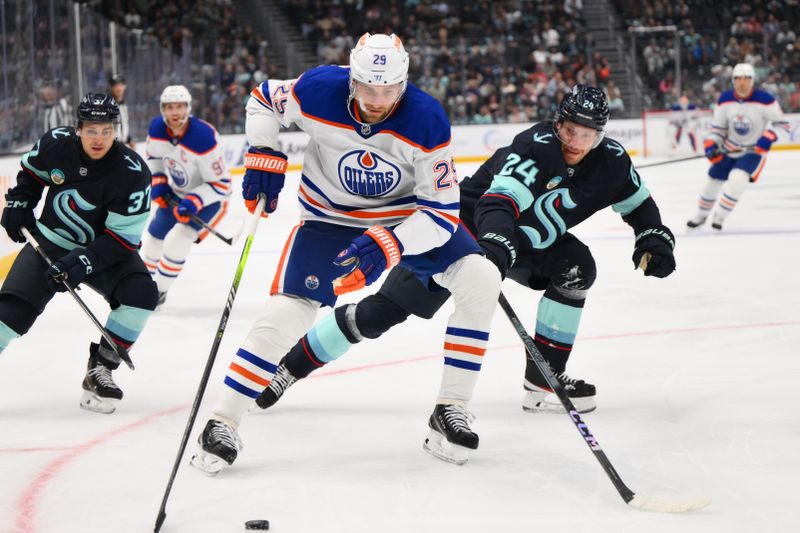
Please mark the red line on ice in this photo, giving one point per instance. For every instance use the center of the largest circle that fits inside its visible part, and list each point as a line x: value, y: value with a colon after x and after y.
x: 25, y: 522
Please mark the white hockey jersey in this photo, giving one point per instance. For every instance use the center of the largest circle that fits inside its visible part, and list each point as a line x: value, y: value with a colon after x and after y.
x: 738, y: 123
x: 193, y: 161
x: 399, y: 173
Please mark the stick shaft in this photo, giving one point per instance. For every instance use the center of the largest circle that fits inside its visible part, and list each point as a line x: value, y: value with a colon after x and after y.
x: 121, y: 351
x: 206, y: 226
x: 201, y: 389
x: 536, y: 356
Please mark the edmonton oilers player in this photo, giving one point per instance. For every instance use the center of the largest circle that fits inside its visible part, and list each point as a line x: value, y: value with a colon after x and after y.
x: 743, y: 129
x: 520, y: 204
x: 186, y: 159
x: 91, y: 222
x: 378, y: 188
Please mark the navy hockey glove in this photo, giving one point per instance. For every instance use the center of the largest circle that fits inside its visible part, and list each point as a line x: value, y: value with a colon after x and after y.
x: 713, y: 152
x: 190, y: 205
x: 265, y: 174
x: 657, y: 242
x: 160, y: 191
x: 73, y: 268
x: 17, y: 214
x: 764, y: 143
x: 366, y: 258
x: 499, y: 250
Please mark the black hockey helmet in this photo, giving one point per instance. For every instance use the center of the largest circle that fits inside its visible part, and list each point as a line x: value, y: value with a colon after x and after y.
x: 585, y: 105
x: 115, y: 79
x: 98, y: 107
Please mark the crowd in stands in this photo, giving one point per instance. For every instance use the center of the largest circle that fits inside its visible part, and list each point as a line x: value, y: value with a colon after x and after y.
x: 486, y: 62
x: 714, y: 36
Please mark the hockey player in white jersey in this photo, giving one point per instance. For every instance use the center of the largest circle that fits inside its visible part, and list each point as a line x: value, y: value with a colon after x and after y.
x: 744, y: 126
x: 683, y: 121
x: 378, y: 188
x: 185, y: 157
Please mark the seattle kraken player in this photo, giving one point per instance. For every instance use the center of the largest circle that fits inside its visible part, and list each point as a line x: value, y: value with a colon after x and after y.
x: 94, y: 211
x: 743, y: 128
x: 378, y: 188
x: 185, y: 157
x: 520, y: 204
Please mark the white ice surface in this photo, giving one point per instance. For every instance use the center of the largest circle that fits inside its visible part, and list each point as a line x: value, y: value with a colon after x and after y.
x: 696, y: 377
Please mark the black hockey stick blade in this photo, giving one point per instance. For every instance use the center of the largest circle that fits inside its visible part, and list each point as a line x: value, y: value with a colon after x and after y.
x: 634, y: 500
x: 118, y: 349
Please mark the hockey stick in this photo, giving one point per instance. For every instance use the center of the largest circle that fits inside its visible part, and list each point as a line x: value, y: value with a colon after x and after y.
x: 252, y: 225
x: 120, y: 350
x: 668, y: 161
x: 693, y: 157
x: 634, y: 500
x: 197, y: 220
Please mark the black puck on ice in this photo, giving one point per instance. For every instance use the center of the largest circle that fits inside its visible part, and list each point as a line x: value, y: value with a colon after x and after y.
x: 260, y: 525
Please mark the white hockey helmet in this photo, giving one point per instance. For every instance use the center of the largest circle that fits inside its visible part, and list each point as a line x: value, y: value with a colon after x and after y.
x: 176, y: 94
x: 379, y: 60
x: 743, y: 70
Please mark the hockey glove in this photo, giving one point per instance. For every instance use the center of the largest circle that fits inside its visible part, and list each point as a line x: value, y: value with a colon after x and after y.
x: 265, y: 173
x: 190, y: 205
x: 713, y: 152
x: 366, y: 258
x: 72, y: 268
x: 658, y: 242
x: 499, y: 250
x: 160, y: 191
x: 764, y: 143
x: 17, y: 214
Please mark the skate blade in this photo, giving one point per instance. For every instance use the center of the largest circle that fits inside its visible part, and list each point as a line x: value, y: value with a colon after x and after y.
x: 438, y: 446
x: 207, y: 463
x: 92, y: 402
x: 534, y: 403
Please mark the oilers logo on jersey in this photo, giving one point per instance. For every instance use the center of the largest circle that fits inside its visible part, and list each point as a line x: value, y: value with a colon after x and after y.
x: 741, y: 124
x: 364, y: 173
x: 176, y: 171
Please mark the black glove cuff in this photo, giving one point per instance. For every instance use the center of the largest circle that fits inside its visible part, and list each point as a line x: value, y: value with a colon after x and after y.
x: 661, y: 232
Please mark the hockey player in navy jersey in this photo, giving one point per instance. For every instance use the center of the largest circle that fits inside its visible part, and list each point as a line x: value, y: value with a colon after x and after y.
x: 186, y: 159
x: 378, y: 188
x: 746, y: 122
x: 96, y: 206
x: 520, y: 205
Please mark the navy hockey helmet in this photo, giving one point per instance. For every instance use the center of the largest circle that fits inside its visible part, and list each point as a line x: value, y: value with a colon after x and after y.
x: 585, y: 105
x: 98, y: 107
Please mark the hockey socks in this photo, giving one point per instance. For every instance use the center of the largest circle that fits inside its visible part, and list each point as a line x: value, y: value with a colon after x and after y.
x: 6, y: 336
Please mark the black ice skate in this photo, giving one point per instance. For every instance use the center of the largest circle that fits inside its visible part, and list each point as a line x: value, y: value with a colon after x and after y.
x: 283, y: 380
x: 218, y: 445
x: 100, y: 394
x: 696, y: 222
x: 162, y: 297
x: 450, y: 438
x: 540, y: 398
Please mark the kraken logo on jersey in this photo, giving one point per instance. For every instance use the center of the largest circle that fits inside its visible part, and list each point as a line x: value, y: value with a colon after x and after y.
x: 367, y: 174
x: 57, y: 176
x: 65, y: 205
x: 545, y: 210
x: 176, y: 171
x: 741, y: 124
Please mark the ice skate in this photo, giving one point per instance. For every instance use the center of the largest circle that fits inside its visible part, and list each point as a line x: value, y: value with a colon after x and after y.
x: 450, y: 438
x: 716, y: 223
x: 539, y: 398
x: 283, y: 380
x: 696, y: 222
x: 162, y: 297
x: 100, y: 394
x: 217, y: 446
